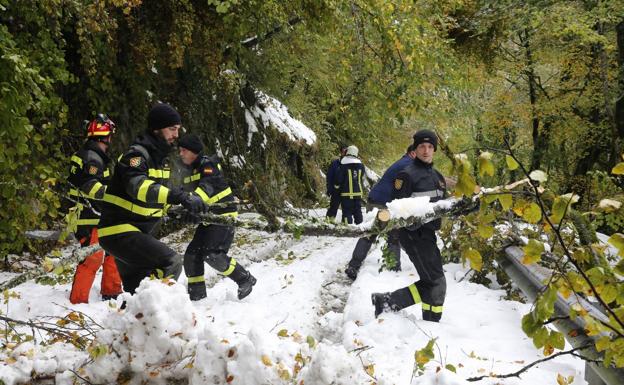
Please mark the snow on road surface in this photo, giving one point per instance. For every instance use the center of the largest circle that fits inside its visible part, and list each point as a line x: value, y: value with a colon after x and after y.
x: 304, y: 323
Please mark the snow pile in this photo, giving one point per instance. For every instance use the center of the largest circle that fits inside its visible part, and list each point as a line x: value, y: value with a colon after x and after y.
x: 271, y: 111
x: 410, y: 207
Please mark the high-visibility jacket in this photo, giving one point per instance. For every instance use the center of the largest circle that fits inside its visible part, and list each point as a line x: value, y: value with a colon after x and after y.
x: 136, y: 197
x: 88, y: 176
x: 207, y: 181
x: 348, y: 179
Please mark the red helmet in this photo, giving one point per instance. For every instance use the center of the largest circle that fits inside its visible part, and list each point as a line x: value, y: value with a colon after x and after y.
x: 100, y: 127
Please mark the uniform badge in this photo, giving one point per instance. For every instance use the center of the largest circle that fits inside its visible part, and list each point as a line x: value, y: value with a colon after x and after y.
x: 398, y: 183
x: 135, y: 162
x: 93, y: 170
x: 208, y: 170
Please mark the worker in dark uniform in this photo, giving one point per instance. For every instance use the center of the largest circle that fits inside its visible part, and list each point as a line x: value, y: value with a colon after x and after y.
x: 348, y: 181
x: 332, y: 193
x: 135, y: 202
x: 420, y: 179
x: 88, y: 177
x: 211, y: 242
x: 379, y: 195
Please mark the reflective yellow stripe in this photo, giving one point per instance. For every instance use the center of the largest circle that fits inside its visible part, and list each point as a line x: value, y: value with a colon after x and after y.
x: 117, y: 229
x: 192, y: 178
x: 415, y: 295
x: 84, y: 222
x: 231, y: 214
x: 96, y: 187
x: 199, y: 278
x: 163, y: 192
x: 351, y: 194
x: 202, y: 194
x: 157, y: 173
x: 142, y: 194
x: 435, y: 309
x: 133, y: 207
x: 77, y: 159
x: 106, y: 173
x: 231, y: 268
x: 350, y: 184
x: 360, y: 180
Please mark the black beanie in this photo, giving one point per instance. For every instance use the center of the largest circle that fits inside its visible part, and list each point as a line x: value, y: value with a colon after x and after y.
x: 161, y: 116
x: 191, y: 142
x: 426, y: 136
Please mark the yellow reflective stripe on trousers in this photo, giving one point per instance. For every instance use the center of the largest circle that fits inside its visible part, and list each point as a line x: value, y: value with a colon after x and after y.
x: 133, y: 207
x: 412, y: 288
x: 192, y: 178
x: 435, y: 309
x: 77, y: 159
x: 117, y: 229
x: 231, y: 268
x: 96, y: 187
x: 199, y: 278
x: 142, y: 193
x: 157, y: 173
x: 85, y: 222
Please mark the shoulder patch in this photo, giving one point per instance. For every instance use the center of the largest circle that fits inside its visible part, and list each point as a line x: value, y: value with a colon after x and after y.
x: 398, y: 183
x: 208, y: 170
x: 135, y: 162
x: 93, y: 170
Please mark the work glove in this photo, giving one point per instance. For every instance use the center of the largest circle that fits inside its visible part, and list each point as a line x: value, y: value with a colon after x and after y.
x: 194, y: 204
x: 176, y: 195
x: 467, y: 206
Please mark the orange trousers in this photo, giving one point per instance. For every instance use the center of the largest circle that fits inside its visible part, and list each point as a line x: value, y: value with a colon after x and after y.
x: 87, y: 269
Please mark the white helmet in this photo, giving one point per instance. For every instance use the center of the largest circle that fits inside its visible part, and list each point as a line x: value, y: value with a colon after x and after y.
x: 352, y: 150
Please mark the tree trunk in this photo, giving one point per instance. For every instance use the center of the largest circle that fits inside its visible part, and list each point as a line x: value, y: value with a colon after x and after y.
x: 619, y: 103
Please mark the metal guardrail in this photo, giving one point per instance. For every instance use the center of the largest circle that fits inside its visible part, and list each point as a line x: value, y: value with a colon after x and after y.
x: 530, y: 279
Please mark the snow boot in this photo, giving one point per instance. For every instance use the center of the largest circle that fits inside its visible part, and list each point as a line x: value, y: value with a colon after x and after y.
x: 381, y: 301
x: 244, y: 280
x: 197, y: 290
x: 351, y: 272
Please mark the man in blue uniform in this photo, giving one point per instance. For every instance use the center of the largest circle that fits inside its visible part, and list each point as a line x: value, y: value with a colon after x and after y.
x: 379, y: 195
x: 332, y: 193
x: 348, y: 181
x: 135, y: 202
x: 211, y: 242
x: 420, y: 179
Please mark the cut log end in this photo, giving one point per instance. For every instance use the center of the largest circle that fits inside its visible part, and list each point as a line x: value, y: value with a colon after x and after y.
x: 383, y: 215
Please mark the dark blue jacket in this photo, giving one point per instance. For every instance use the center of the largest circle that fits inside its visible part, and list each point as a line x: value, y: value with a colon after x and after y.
x: 348, y: 179
x: 382, y: 190
x: 331, y: 175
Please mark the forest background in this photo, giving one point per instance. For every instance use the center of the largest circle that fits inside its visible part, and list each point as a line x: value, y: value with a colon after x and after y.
x: 545, y: 76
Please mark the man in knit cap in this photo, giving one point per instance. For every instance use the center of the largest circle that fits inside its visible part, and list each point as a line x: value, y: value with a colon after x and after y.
x: 211, y: 242
x: 419, y: 179
x: 135, y: 199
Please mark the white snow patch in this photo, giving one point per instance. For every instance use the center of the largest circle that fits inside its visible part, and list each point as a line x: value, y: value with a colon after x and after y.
x: 271, y: 111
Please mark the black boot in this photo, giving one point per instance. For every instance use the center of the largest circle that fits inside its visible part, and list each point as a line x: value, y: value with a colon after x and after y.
x: 244, y: 280
x: 197, y: 290
x: 382, y: 303
x: 351, y: 272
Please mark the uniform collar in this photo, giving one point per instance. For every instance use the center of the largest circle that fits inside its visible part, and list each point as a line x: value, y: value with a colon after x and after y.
x: 420, y: 163
x: 93, y: 146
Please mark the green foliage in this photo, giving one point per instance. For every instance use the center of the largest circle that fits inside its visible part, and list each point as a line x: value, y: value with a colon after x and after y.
x: 388, y: 259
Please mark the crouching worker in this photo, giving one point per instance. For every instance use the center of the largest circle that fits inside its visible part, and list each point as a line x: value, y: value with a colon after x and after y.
x: 135, y: 201
x: 211, y: 242
x: 89, y: 175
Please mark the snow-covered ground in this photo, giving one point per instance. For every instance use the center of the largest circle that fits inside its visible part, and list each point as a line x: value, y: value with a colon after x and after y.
x: 304, y: 323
